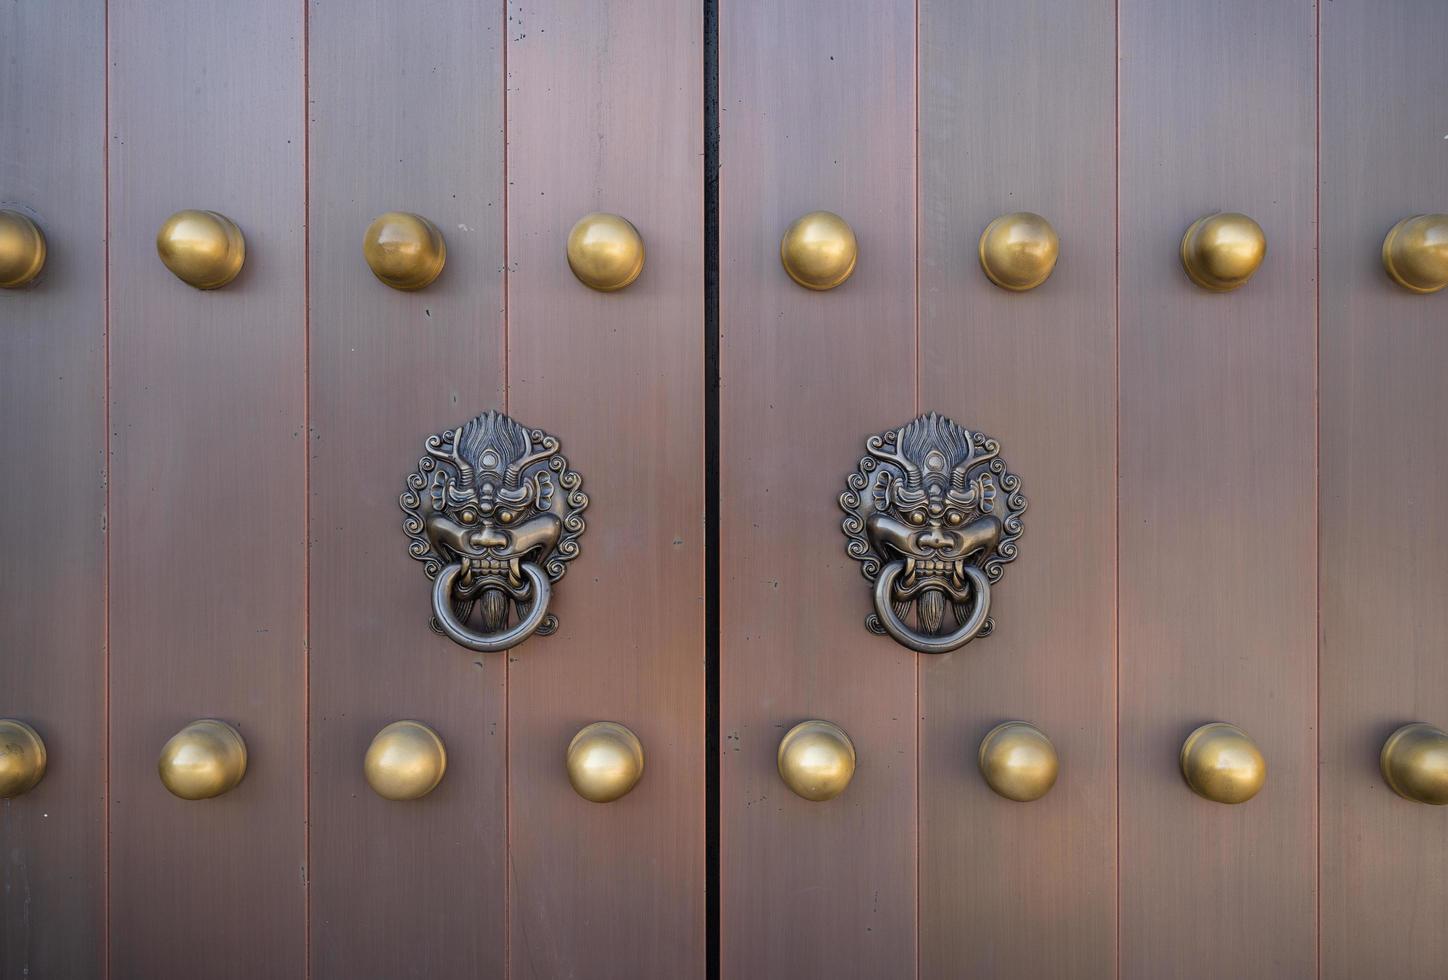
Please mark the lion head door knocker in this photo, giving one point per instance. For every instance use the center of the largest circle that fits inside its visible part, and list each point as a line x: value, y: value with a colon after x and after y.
x: 932, y: 517
x: 494, y: 514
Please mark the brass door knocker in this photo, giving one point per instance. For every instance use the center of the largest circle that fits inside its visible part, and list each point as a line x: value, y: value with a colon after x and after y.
x: 494, y: 514
x: 932, y: 515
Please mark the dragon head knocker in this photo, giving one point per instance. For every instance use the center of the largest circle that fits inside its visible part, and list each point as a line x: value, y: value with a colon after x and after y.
x: 932, y: 515
x: 494, y: 514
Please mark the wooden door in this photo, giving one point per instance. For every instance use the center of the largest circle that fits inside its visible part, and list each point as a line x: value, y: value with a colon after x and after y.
x: 211, y: 527
x: 1198, y: 467
x: 1234, y: 513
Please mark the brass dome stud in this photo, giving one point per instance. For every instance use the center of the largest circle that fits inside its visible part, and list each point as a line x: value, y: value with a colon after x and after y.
x: 1018, y: 761
x: 819, y: 250
x: 404, y: 250
x: 22, y: 758
x: 203, y: 248
x: 22, y: 250
x: 205, y: 759
x: 816, y: 760
x: 1415, y: 253
x: 1018, y: 251
x: 1414, y: 761
x: 1220, y: 252
x: 605, y: 761
x: 405, y: 761
x: 1221, y: 763
x: 605, y: 251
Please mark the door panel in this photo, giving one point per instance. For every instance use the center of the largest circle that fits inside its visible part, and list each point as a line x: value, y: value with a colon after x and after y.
x: 207, y: 489
x: 53, y: 471
x: 603, y: 115
x: 406, y: 113
x: 1017, y: 112
x: 1384, y: 570
x: 1217, y: 489
x: 817, y: 111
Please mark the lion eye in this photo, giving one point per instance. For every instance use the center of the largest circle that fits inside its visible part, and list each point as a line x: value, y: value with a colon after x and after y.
x: 468, y: 516
x: 506, y: 516
x: 917, y: 517
x: 954, y: 517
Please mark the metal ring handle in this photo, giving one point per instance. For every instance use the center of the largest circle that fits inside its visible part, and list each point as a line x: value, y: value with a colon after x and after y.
x: 931, y: 644
x: 495, y: 642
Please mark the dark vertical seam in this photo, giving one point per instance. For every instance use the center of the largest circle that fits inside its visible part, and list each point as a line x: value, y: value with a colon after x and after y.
x: 307, y: 490
x: 712, y: 637
x: 106, y: 521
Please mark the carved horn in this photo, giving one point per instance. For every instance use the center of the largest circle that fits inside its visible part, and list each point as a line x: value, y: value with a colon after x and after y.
x: 875, y: 445
x: 515, y: 469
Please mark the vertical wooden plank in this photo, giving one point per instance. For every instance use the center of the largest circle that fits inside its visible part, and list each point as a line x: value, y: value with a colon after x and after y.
x: 1384, y: 465
x: 208, y: 488
x: 406, y: 113
x: 605, y: 113
x: 1011, y: 889
x: 817, y: 111
x: 1217, y: 488
x: 52, y: 544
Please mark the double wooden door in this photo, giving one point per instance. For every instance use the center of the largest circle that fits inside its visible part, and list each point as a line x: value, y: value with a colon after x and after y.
x: 1236, y: 499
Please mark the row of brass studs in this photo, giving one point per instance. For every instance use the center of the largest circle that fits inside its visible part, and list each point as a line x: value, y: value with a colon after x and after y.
x: 405, y: 761
x: 816, y: 760
x: 1220, y: 762
x: 1018, y: 251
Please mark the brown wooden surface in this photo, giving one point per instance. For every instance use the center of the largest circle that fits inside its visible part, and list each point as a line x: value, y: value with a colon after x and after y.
x: 604, y: 114
x: 1384, y: 570
x: 1017, y: 112
x: 208, y: 489
x: 406, y: 113
x: 817, y: 111
x: 1217, y: 556
x: 52, y: 469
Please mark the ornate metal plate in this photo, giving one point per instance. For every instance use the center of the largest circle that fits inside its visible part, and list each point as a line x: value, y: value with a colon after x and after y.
x: 494, y: 513
x: 932, y: 515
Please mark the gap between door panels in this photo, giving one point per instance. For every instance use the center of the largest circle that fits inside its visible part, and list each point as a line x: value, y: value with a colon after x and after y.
x: 711, y: 485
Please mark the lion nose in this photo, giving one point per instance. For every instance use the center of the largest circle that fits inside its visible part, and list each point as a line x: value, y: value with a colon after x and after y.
x: 488, y: 537
x: 935, y: 538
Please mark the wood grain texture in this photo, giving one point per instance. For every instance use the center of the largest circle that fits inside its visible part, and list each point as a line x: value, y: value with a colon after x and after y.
x: 208, y: 489
x: 52, y: 527
x: 817, y: 111
x: 1384, y: 465
x: 1217, y: 488
x: 1022, y: 99
x: 604, y: 113
x: 406, y: 113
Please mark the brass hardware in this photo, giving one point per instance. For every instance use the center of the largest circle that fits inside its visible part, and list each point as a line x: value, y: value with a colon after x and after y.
x: 405, y: 761
x: 1221, y: 251
x: 1221, y: 763
x: 22, y: 250
x: 203, y: 248
x: 1018, y: 761
x: 203, y: 760
x: 605, y: 760
x: 1415, y: 253
x: 405, y: 251
x: 932, y: 515
x: 816, y: 760
x: 22, y: 758
x: 605, y: 251
x: 1018, y: 251
x: 494, y: 514
x: 1415, y: 763
x: 819, y: 250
